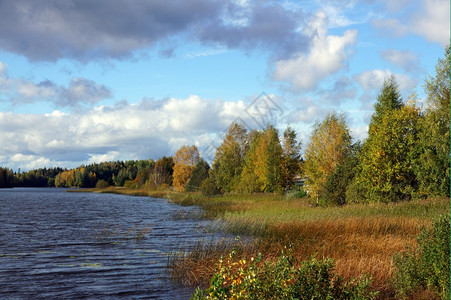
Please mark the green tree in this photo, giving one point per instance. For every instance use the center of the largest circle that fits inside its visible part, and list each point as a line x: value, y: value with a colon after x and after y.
x: 329, y: 146
x: 433, y: 166
x: 386, y: 169
x: 388, y: 100
x: 338, y: 181
x: 229, y: 158
x: 291, y: 158
x: 200, y: 173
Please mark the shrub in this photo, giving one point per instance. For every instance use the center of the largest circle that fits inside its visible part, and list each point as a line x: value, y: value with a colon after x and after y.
x: 301, y: 193
x: 314, y: 279
x: 101, y: 184
x: 208, y: 187
x: 428, y: 265
x: 130, y: 184
x: 295, y: 193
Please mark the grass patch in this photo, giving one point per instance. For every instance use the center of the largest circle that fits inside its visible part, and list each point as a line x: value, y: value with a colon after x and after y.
x: 361, y: 239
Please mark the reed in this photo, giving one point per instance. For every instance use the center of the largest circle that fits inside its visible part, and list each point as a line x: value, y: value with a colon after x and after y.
x: 362, y: 239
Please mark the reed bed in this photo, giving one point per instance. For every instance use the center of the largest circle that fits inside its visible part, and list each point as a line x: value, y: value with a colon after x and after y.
x: 361, y: 239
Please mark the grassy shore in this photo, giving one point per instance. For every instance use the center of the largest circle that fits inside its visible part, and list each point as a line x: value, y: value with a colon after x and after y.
x: 360, y: 238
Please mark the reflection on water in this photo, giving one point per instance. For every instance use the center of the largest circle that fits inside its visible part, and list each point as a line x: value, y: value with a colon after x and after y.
x: 78, y: 245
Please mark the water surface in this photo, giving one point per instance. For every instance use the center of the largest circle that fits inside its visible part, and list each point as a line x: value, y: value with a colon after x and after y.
x: 56, y: 244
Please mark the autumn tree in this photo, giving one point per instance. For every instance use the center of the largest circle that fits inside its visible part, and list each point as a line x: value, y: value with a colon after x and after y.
x: 262, y: 170
x: 291, y: 158
x: 185, y: 161
x: 386, y: 169
x: 433, y: 165
x: 162, y: 171
x: 229, y: 158
x: 329, y: 145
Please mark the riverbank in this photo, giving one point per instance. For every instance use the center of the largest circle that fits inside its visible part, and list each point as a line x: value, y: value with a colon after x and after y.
x: 361, y: 239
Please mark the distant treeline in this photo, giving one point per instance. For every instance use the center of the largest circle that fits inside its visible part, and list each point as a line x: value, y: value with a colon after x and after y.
x: 133, y: 173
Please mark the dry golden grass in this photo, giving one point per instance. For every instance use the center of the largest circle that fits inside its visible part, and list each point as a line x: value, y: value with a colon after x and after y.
x: 358, y: 245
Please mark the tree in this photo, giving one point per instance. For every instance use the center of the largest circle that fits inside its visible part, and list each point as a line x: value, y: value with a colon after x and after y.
x: 162, y: 172
x: 229, y: 158
x: 388, y: 100
x: 338, y: 181
x: 200, y: 173
x: 262, y: 170
x: 6, y: 178
x: 386, y: 169
x: 291, y: 156
x: 433, y: 166
x: 185, y: 161
x: 329, y: 145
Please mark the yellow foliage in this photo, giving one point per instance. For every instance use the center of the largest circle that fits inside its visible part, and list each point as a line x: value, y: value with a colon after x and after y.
x: 185, y: 160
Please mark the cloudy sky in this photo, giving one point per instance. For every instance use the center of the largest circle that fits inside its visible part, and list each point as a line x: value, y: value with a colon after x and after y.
x: 88, y: 81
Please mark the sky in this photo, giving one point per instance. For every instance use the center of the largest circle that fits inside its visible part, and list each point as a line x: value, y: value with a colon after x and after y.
x: 85, y: 81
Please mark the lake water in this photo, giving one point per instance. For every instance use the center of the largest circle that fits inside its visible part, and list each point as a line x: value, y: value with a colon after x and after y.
x: 55, y: 244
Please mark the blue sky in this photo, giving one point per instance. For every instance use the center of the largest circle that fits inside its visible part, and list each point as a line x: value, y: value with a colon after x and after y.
x: 91, y: 81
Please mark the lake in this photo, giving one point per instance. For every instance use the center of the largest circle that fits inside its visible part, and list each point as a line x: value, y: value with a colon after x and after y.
x: 55, y: 244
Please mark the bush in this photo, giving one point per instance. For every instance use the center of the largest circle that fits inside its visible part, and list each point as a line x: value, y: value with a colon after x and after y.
x: 130, y: 184
x: 101, y: 184
x: 240, y: 279
x: 208, y: 187
x: 302, y: 193
x: 428, y: 265
x: 295, y: 193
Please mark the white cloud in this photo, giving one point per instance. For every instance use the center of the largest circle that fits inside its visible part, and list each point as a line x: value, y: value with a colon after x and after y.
x: 308, y: 113
x: 80, y: 91
x: 391, y: 27
x: 30, y: 90
x: 3, y: 68
x: 395, y: 6
x: 359, y: 133
x: 148, y: 129
x: 327, y: 55
x: 109, y: 156
x: 372, y: 81
x: 30, y: 161
x: 404, y: 59
x: 434, y: 21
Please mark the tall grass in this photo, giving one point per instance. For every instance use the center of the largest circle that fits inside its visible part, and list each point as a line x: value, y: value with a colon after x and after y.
x: 362, y: 239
